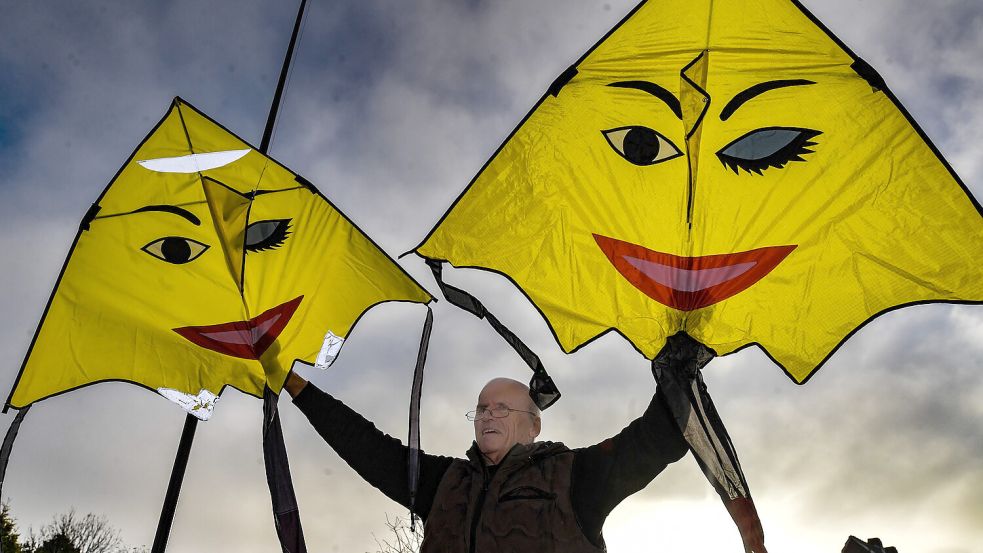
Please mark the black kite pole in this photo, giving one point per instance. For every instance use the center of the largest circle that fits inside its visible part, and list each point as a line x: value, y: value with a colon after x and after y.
x: 174, y: 485
x: 264, y: 146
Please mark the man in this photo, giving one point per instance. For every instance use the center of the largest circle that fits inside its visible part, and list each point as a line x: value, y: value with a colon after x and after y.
x: 512, y: 494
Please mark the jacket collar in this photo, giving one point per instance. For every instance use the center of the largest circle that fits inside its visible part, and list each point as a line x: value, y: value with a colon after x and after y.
x: 516, y: 455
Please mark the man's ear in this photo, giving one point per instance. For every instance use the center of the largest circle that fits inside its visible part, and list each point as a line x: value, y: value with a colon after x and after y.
x: 537, y: 427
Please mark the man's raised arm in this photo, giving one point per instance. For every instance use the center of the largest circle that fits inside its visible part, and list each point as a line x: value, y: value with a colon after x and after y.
x: 377, y: 457
x: 606, y: 473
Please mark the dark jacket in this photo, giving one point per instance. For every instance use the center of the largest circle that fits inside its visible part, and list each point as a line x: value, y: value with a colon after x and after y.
x: 596, y: 480
x: 524, y: 505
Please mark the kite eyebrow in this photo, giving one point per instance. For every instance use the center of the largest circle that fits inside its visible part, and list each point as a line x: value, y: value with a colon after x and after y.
x: 654, y: 90
x: 760, y: 88
x: 171, y: 209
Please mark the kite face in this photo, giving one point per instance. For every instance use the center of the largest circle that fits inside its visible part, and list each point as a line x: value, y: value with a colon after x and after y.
x: 206, y: 265
x: 735, y: 174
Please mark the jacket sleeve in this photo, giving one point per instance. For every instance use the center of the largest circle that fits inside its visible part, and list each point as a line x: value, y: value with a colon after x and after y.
x: 378, y: 458
x: 606, y: 473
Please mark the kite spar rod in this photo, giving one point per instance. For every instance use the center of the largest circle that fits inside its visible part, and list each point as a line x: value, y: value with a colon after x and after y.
x: 174, y: 485
x: 264, y: 146
x: 280, y: 489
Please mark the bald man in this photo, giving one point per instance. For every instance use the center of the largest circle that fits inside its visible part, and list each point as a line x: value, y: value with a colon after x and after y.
x: 512, y: 493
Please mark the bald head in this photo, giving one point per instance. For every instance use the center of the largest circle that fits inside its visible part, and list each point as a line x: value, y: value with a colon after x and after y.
x: 520, y: 424
x: 515, y: 389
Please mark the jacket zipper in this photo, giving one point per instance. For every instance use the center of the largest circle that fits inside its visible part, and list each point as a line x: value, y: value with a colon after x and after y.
x: 484, y: 491
x: 478, y: 508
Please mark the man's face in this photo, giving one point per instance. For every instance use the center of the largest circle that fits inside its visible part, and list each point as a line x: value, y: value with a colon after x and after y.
x: 495, y: 437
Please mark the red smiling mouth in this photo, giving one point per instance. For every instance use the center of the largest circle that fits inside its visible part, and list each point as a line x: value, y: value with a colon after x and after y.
x: 246, y: 339
x: 688, y: 283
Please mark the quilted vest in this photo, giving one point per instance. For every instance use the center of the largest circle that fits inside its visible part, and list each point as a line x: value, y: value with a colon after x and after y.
x: 525, y: 507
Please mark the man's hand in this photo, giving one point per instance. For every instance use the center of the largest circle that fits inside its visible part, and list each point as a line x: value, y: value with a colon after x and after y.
x: 294, y: 384
x: 748, y: 524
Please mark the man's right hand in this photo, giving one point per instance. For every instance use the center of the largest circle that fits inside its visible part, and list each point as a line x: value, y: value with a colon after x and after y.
x: 294, y: 384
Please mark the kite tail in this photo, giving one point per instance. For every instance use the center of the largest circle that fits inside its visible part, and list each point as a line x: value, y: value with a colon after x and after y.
x: 413, y: 464
x: 541, y: 387
x: 286, y: 514
x: 677, y: 370
x: 8, y: 445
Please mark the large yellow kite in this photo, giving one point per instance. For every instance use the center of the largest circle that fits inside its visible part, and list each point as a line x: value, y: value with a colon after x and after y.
x: 723, y: 168
x: 205, y: 264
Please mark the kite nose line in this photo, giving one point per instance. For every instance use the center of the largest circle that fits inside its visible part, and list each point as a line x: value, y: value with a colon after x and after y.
x: 694, y: 101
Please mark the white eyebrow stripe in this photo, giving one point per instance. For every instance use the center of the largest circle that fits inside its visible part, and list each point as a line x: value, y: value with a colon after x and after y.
x: 193, y: 163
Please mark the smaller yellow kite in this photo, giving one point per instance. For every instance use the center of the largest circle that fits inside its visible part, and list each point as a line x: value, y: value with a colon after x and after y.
x: 205, y: 264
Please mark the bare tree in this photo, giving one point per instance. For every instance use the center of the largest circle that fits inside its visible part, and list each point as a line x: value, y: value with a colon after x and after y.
x: 87, y: 534
x: 402, y: 539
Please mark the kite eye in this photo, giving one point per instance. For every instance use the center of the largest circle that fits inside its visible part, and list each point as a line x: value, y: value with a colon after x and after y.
x: 641, y: 145
x: 769, y: 147
x: 175, y: 249
x: 265, y: 235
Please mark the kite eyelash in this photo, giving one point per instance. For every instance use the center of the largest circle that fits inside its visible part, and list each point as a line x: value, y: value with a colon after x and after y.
x: 769, y: 147
x: 267, y: 235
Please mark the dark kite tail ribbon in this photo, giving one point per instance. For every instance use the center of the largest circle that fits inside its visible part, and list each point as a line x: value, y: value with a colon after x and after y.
x: 286, y: 514
x: 542, y: 390
x: 677, y: 371
x: 8, y: 446
x: 413, y: 462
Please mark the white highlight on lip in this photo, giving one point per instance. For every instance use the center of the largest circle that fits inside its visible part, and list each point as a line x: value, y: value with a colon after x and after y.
x: 241, y: 336
x: 193, y: 163
x: 688, y: 280
x: 200, y: 406
x: 330, y: 349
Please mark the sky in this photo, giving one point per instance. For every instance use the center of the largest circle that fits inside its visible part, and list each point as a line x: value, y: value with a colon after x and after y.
x: 391, y: 109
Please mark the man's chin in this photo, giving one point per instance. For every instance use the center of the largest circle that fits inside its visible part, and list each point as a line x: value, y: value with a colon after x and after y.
x: 490, y: 444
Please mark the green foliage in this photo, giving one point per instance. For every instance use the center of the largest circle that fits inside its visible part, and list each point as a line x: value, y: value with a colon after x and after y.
x: 9, y: 538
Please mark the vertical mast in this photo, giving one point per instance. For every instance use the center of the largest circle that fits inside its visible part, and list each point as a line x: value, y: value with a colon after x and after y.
x: 281, y: 84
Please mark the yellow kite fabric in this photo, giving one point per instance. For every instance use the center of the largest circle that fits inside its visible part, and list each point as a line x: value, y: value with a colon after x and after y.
x: 727, y: 168
x: 205, y: 264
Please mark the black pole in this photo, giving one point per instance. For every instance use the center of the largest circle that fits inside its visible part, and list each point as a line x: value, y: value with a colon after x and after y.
x: 174, y: 486
x: 264, y: 146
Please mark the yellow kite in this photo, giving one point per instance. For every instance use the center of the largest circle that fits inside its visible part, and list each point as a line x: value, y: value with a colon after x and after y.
x: 205, y: 264
x: 723, y: 168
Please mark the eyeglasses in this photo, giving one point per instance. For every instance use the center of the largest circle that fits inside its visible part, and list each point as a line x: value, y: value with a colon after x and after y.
x: 496, y: 412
